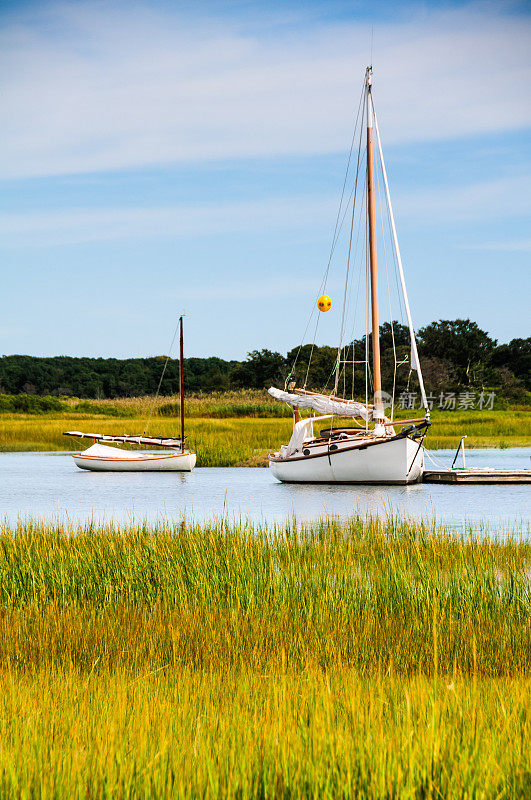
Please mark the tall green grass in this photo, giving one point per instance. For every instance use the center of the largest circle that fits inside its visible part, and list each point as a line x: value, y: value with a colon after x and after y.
x: 367, y: 594
x: 182, y: 733
x: 375, y: 659
x: 227, y: 441
x: 218, y: 442
x: 242, y: 402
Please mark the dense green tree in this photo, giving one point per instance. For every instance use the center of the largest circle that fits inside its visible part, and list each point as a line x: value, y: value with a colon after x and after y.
x: 460, y: 341
x: 453, y: 353
x: 109, y: 377
x: 516, y: 357
x: 321, y: 362
x: 262, y: 368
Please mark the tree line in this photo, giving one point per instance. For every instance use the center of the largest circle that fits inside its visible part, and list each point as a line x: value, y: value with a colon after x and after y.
x: 454, y: 354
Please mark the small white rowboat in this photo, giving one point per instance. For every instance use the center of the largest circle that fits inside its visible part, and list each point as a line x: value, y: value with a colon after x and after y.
x: 100, y: 458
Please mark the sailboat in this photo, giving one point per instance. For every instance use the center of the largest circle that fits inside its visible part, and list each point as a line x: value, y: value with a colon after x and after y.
x: 102, y: 458
x: 374, y: 452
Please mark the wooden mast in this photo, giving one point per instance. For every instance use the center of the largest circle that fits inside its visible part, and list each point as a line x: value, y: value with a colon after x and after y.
x: 378, y: 412
x: 181, y: 378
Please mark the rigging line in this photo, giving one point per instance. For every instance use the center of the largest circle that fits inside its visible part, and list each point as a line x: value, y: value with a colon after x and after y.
x: 434, y: 460
x: 401, y: 308
x: 362, y: 206
x: 356, y: 248
x: 414, y: 351
x: 337, y: 231
x: 401, y: 305
x: 311, y: 353
x: 345, y: 295
x: 325, y: 386
x: 160, y: 381
x: 356, y: 251
x: 322, y: 285
x: 401, y: 312
x: 347, y: 206
x: 294, y: 364
x: 388, y: 292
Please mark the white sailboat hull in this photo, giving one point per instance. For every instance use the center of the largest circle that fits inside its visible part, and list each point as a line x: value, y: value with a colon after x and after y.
x: 100, y: 458
x: 399, y: 461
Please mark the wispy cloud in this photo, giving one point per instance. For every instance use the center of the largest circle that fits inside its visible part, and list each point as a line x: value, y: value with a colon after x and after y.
x: 523, y: 246
x: 69, y: 226
x: 95, y: 86
x: 481, y: 202
x: 485, y: 201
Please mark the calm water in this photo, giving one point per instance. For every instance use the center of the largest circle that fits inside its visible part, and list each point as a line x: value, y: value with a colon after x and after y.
x: 49, y: 485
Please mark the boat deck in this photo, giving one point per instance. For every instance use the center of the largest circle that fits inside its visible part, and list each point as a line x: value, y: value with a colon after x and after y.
x: 485, y: 475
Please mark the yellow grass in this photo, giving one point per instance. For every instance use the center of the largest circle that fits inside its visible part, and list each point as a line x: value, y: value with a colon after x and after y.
x: 366, y: 659
x: 197, y: 734
x: 228, y: 441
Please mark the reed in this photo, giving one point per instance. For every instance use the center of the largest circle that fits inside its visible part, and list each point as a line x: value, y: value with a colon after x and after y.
x: 226, y: 440
x: 218, y: 442
x: 368, y: 659
x: 198, y: 734
x: 366, y: 594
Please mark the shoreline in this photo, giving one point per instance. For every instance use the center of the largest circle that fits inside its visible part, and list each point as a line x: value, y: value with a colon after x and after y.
x: 245, y: 440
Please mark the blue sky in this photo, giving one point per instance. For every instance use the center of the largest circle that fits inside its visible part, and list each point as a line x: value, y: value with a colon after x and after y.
x: 160, y: 157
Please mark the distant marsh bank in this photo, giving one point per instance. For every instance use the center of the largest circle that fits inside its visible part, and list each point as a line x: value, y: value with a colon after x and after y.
x: 226, y: 429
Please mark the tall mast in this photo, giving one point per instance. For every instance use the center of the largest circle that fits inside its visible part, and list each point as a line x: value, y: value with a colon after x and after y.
x: 378, y: 412
x: 415, y: 362
x: 181, y: 378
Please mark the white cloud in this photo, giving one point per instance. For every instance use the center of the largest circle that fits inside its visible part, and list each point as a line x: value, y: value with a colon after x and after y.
x: 486, y: 201
x: 98, y: 86
x: 483, y: 202
x: 68, y: 226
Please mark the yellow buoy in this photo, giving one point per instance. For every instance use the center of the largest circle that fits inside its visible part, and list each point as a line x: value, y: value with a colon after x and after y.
x: 324, y: 303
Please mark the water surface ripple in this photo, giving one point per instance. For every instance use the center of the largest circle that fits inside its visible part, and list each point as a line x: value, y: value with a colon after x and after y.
x: 49, y: 486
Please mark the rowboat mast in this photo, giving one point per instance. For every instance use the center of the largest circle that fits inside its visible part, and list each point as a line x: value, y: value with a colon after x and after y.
x: 101, y: 458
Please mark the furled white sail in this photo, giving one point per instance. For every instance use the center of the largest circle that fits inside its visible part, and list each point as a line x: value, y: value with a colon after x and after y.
x: 302, y: 432
x: 321, y: 403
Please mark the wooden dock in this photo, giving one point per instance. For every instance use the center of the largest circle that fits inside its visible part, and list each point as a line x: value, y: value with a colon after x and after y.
x: 485, y: 475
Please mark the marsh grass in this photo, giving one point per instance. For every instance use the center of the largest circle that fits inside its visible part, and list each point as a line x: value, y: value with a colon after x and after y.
x: 371, y: 659
x: 366, y: 594
x: 198, y: 734
x: 218, y: 442
x: 224, y: 436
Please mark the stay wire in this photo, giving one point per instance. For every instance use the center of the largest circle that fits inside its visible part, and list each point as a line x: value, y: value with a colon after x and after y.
x: 355, y: 306
x: 388, y: 289
x: 356, y: 251
x: 347, y: 274
x: 337, y: 230
x: 161, y: 379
